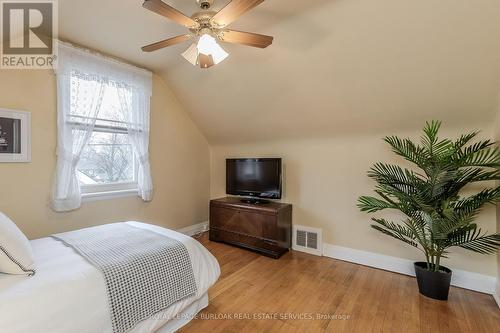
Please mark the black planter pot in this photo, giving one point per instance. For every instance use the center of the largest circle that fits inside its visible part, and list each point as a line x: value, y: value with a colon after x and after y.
x: 435, y: 285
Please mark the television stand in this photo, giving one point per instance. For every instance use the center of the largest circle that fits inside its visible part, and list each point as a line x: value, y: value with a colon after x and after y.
x: 254, y: 201
x: 266, y: 229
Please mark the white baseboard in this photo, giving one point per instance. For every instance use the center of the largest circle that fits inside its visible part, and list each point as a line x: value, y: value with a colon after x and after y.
x: 496, y: 295
x: 460, y: 278
x: 194, y: 229
x: 463, y: 279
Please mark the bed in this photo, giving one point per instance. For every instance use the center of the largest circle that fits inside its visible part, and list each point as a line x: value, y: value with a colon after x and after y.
x: 68, y: 294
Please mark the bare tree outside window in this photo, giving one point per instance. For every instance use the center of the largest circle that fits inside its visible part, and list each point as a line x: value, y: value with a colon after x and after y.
x: 108, y: 158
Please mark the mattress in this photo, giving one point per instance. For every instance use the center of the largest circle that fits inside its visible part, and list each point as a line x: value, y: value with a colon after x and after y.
x: 67, y: 294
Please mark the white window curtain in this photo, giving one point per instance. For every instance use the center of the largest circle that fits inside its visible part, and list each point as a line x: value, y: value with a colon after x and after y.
x: 138, y: 133
x: 83, y: 100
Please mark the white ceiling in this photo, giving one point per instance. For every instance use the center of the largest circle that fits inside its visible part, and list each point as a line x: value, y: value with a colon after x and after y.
x: 336, y: 67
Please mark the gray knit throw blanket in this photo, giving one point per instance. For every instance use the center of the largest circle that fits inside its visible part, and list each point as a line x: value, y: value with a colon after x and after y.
x: 145, y: 272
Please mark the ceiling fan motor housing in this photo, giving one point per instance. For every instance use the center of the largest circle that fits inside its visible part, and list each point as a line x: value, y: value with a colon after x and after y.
x: 205, y: 26
x: 205, y: 4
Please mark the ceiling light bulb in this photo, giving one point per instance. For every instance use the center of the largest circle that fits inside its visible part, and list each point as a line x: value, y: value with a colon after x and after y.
x: 208, y: 46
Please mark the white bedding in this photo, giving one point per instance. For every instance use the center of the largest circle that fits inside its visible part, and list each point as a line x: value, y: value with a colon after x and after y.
x: 67, y: 294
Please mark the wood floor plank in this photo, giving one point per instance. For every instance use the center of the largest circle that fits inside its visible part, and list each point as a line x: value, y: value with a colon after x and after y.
x: 305, y: 293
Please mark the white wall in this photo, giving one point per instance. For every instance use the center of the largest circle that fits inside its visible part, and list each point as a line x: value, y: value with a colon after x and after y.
x: 323, y: 179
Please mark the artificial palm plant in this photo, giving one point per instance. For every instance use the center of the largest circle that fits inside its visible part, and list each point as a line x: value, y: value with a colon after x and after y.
x: 437, y: 215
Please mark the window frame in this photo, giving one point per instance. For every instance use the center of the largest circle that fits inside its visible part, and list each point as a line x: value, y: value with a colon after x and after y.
x: 92, y: 192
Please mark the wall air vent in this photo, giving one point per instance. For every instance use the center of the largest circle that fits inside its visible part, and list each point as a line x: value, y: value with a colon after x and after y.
x: 307, y: 239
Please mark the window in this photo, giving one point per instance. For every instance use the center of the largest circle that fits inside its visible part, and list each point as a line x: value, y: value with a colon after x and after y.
x: 103, y: 129
x: 107, y: 162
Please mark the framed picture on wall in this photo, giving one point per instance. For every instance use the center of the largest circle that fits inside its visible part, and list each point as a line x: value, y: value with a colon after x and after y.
x: 15, y: 136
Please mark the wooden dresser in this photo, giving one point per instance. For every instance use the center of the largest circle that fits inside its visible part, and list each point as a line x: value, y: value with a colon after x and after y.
x: 265, y: 228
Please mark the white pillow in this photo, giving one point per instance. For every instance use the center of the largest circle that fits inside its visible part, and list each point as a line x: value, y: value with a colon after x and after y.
x: 16, y: 255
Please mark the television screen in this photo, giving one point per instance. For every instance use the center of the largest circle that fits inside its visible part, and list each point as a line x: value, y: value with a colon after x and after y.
x: 255, y: 177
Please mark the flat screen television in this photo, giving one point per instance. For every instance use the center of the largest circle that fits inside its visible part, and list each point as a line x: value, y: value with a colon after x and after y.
x: 254, y: 177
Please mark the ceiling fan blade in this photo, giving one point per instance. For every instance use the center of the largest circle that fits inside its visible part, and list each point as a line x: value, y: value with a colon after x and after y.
x: 159, y: 7
x: 247, y: 38
x: 233, y: 10
x: 165, y: 43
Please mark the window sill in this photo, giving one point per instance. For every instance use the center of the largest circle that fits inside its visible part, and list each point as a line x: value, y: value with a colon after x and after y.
x: 97, y: 196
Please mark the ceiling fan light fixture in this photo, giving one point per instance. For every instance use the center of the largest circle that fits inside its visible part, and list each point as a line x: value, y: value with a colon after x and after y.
x: 209, y: 26
x: 208, y: 47
x: 191, y: 54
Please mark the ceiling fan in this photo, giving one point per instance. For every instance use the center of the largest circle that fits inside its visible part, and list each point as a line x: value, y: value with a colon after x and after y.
x: 209, y: 26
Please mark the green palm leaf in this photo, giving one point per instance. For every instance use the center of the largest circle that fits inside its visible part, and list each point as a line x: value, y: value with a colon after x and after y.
x: 394, y: 230
x: 464, y: 139
x: 371, y: 204
x: 476, y: 241
x: 408, y: 150
x: 481, y: 154
x: 473, y: 203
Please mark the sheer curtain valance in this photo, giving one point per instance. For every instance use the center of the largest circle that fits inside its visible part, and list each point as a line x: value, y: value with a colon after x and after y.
x: 82, y: 78
x: 71, y: 59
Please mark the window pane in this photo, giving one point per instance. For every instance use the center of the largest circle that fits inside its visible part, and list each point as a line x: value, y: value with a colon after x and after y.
x: 83, y: 88
x: 107, y: 158
x: 110, y: 108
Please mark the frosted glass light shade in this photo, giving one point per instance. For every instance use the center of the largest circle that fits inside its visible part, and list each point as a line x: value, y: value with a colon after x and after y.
x: 191, y: 54
x: 208, y: 46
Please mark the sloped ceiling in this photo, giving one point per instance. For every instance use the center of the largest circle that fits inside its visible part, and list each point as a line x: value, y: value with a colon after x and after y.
x: 336, y: 67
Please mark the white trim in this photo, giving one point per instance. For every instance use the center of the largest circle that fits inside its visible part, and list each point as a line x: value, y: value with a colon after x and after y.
x: 194, y: 229
x: 108, y: 187
x: 460, y: 278
x: 319, y: 232
x: 97, y: 196
x: 496, y: 295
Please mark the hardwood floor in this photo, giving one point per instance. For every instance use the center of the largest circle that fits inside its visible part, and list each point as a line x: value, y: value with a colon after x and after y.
x: 305, y: 293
